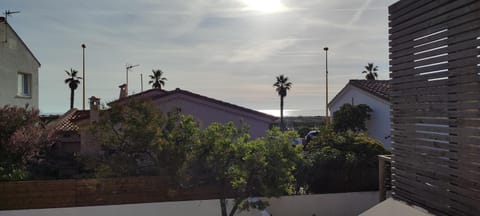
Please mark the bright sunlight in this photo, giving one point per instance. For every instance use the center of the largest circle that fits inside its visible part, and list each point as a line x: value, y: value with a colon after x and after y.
x: 265, y: 6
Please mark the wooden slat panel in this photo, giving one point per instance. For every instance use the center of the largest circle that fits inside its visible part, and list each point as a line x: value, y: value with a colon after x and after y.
x: 462, y: 24
x: 86, y: 192
x: 436, y: 123
x: 454, y: 13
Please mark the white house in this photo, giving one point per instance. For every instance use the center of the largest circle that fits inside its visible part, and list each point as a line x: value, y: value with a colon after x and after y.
x: 206, y: 110
x: 18, y: 70
x: 375, y: 94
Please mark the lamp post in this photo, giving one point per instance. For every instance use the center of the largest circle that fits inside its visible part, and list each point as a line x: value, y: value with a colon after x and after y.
x: 127, y: 68
x: 83, y: 48
x: 326, y: 86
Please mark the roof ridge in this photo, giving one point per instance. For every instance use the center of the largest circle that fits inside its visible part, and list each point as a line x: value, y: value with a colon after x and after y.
x: 178, y: 90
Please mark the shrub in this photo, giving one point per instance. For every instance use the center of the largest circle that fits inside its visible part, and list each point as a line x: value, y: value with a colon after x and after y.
x: 340, y: 162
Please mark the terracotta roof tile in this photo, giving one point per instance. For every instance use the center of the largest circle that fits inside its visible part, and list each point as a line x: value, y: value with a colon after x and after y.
x: 379, y: 88
x: 67, y: 121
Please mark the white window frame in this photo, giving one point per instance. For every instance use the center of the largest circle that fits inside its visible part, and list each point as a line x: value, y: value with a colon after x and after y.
x: 24, y: 79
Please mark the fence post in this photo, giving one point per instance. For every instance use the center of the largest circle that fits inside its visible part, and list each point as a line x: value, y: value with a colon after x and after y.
x: 381, y: 178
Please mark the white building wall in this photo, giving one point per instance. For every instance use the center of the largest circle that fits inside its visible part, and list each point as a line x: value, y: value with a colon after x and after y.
x: 15, y: 58
x: 206, y: 113
x: 341, y: 204
x: 379, y: 124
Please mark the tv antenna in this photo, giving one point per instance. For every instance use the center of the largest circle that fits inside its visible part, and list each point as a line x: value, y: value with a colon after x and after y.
x: 8, y: 13
x: 127, y: 68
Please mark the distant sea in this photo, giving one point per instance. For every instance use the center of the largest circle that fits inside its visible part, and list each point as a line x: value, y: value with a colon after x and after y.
x: 295, y: 112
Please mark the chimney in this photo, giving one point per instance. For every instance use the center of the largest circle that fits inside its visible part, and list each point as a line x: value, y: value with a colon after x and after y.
x: 94, y: 109
x: 123, y: 91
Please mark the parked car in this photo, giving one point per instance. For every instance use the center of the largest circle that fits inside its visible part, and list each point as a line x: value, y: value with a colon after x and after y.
x: 309, y: 136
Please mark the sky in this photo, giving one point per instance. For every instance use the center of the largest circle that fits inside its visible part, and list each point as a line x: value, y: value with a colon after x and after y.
x: 230, y: 50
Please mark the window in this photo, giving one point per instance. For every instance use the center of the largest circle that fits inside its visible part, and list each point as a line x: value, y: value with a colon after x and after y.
x: 24, y: 85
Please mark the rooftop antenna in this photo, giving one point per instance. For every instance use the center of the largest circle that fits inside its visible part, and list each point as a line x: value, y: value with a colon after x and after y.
x: 127, y: 68
x: 8, y: 13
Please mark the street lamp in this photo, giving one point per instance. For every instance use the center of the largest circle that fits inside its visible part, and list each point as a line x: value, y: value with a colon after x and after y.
x: 127, y: 68
x: 326, y: 86
x: 83, y: 48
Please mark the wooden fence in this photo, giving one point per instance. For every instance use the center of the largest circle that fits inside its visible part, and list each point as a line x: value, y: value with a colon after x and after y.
x: 87, y: 192
x: 435, y: 95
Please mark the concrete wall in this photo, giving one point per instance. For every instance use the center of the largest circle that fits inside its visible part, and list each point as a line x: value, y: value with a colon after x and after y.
x: 206, y: 113
x: 339, y: 204
x: 15, y: 58
x: 379, y: 124
x: 306, y: 205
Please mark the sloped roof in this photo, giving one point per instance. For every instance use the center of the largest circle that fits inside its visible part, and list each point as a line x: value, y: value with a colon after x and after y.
x: 2, y: 20
x: 379, y: 88
x: 159, y: 93
x: 233, y: 106
x: 67, y: 121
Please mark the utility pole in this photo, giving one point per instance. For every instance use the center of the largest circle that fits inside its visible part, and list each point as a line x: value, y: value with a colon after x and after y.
x: 84, y: 79
x: 127, y: 68
x: 326, y: 86
x: 8, y: 13
x: 141, y: 82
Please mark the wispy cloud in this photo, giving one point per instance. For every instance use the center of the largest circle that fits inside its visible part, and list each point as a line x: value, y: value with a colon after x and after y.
x: 196, y: 40
x: 259, y: 51
x: 360, y: 12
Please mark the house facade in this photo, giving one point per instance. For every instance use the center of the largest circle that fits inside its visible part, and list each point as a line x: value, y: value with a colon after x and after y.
x: 206, y: 110
x: 18, y: 70
x: 73, y: 125
x: 375, y: 94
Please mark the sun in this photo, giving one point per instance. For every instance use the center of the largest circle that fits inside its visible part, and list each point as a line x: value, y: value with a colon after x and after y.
x: 265, y: 6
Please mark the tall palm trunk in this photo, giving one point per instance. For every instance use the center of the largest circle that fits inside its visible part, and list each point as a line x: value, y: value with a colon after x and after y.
x: 71, y: 98
x: 281, y: 114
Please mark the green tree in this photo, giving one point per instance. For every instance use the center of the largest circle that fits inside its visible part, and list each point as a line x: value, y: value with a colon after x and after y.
x: 282, y: 85
x: 138, y: 139
x: 244, y: 168
x: 73, y: 81
x: 157, y: 80
x: 339, y: 162
x: 370, y: 71
x: 351, y: 117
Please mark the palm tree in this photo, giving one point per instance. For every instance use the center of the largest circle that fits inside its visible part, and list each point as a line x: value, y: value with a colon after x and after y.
x: 282, y: 86
x: 370, y: 71
x: 72, y: 82
x: 157, y: 80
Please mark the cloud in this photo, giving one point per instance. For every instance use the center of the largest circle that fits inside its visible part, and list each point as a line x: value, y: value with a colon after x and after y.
x: 259, y: 51
x: 360, y: 12
x: 213, y: 47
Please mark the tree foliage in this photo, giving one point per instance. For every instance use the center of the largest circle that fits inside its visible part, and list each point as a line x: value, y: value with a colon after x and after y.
x: 73, y: 81
x: 137, y: 139
x: 351, y: 117
x: 244, y: 168
x: 157, y: 79
x: 23, y: 141
x: 339, y: 162
x: 370, y: 71
x: 282, y: 86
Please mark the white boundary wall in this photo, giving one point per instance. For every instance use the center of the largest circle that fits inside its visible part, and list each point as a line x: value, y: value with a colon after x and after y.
x: 322, y: 204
